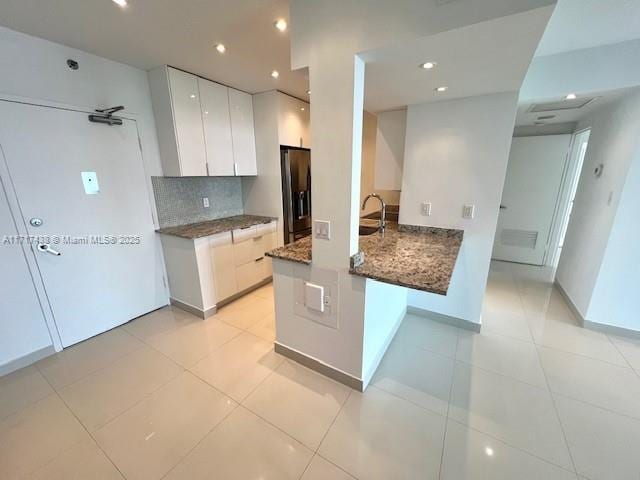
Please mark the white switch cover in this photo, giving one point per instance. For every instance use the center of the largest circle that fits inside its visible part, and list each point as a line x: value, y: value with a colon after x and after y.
x: 468, y: 211
x: 205, y: 202
x: 425, y: 209
x: 90, y: 183
x: 322, y: 229
x: 314, y: 296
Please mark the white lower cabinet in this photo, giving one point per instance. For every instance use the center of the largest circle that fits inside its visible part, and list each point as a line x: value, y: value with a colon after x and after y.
x: 206, y: 271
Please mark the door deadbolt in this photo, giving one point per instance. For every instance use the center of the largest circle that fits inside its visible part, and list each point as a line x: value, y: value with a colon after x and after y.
x: 35, y: 222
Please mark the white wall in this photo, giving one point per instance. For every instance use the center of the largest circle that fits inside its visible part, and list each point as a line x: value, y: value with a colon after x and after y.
x: 614, y: 142
x: 615, y: 297
x: 456, y: 153
x: 262, y: 195
x: 35, y: 70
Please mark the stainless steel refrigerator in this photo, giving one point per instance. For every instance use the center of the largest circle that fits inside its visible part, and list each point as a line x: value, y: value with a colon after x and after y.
x: 296, y: 192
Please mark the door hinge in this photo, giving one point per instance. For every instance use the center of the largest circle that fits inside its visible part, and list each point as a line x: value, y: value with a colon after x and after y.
x: 207, y: 165
x: 139, y: 143
x: 164, y: 281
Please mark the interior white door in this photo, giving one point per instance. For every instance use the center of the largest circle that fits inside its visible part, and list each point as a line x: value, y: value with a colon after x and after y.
x: 530, y: 196
x: 242, y: 130
x: 94, y: 284
x: 216, y: 121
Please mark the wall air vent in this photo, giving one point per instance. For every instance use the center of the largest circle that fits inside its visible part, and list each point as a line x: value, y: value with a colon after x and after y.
x: 519, y: 238
x: 561, y: 105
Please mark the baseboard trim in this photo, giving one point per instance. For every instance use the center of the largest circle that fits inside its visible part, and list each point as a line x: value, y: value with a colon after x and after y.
x: 230, y: 299
x: 26, y: 360
x: 571, y: 305
x: 320, y: 367
x: 446, y: 319
x: 612, y: 329
x: 194, y: 310
x: 597, y: 326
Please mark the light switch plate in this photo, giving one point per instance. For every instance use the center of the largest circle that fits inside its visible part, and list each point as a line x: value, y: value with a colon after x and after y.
x: 90, y: 183
x: 425, y: 209
x: 468, y: 211
x: 205, y: 202
x: 322, y: 229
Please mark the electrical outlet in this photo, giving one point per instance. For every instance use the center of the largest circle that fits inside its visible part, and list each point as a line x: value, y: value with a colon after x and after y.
x: 205, y: 202
x: 322, y: 229
x: 425, y: 209
x: 468, y: 211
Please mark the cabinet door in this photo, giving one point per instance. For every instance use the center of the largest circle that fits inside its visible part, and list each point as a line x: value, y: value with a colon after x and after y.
x: 214, y: 103
x: 224, y: 268
x: 242, y: 132
x: 185, y: 101
x: 293, y: 122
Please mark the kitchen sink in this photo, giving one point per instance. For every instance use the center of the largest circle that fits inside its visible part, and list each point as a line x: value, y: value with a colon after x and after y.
x: 366, y: 230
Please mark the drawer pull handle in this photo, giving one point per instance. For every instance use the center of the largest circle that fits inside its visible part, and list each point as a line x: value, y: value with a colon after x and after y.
x: 259, y: 259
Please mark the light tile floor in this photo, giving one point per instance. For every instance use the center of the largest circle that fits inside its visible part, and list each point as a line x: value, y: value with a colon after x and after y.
x: 169, y: 396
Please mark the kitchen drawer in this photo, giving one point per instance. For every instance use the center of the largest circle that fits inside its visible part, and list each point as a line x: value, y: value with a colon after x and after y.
x: 242, y: 234
x: 220, y: 239
x: 250, y: 273
x: 266, y: 228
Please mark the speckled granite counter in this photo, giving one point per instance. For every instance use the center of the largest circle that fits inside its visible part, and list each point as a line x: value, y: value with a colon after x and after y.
x: 422, y: 258
x: 211, y: 227
x: 299, y: 252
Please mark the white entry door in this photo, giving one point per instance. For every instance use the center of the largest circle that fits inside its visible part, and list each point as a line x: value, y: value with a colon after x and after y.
x: 109, y: 270
x: 532, y: 185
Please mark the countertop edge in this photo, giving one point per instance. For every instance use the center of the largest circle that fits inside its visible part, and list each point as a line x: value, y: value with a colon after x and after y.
x: 259, y: 220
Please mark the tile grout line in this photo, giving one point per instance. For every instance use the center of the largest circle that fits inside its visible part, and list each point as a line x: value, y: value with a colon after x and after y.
x: 622, y: 355
x: 446, y: 417
x: 325, y: 436
x: 106, y: 455
x: 553, y: 400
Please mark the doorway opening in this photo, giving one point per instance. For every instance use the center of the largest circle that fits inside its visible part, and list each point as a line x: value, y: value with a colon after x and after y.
x: 565, y: 203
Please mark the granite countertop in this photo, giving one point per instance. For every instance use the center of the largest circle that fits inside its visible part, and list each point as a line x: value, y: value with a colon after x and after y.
x: 422, y: 258
x: 211, y: 227
x: 299, y: 251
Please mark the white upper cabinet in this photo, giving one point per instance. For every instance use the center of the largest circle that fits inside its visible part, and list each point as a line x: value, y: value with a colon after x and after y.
x: 185, y: 101
x: 293, y: 122
x: 204, y: 128
x: 242, y: 132
x: 216, y: 121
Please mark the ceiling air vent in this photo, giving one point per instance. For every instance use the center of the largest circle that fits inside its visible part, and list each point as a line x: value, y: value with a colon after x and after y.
x: 519, y: 238
x: 560, y: 105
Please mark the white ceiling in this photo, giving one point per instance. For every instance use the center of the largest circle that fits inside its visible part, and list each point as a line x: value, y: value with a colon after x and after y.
x: 578, y: 24
x: 148, y: 33
x: 478, y: 59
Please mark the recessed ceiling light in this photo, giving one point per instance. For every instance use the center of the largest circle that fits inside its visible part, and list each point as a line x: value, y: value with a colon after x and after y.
x: 121, y: 3
x: 302, y: 109
x: 428, y: 65
x: 275, y: 74
x: 489, y: 451
x: 308, y: 92
x: 221, y: 48
x: 281, y: 24
x: 193, y: 95
x: 441, y: 89
x: 571, y: 96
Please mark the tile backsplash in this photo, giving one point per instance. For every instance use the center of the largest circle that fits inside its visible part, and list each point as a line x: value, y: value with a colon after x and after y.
x: 179, y: 199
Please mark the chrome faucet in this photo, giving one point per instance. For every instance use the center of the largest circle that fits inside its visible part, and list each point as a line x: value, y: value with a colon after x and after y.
x: 383, y: 211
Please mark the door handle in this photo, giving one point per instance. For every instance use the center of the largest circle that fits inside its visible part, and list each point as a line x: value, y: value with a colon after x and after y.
x: 46, y: 248
x: 503, y: 207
